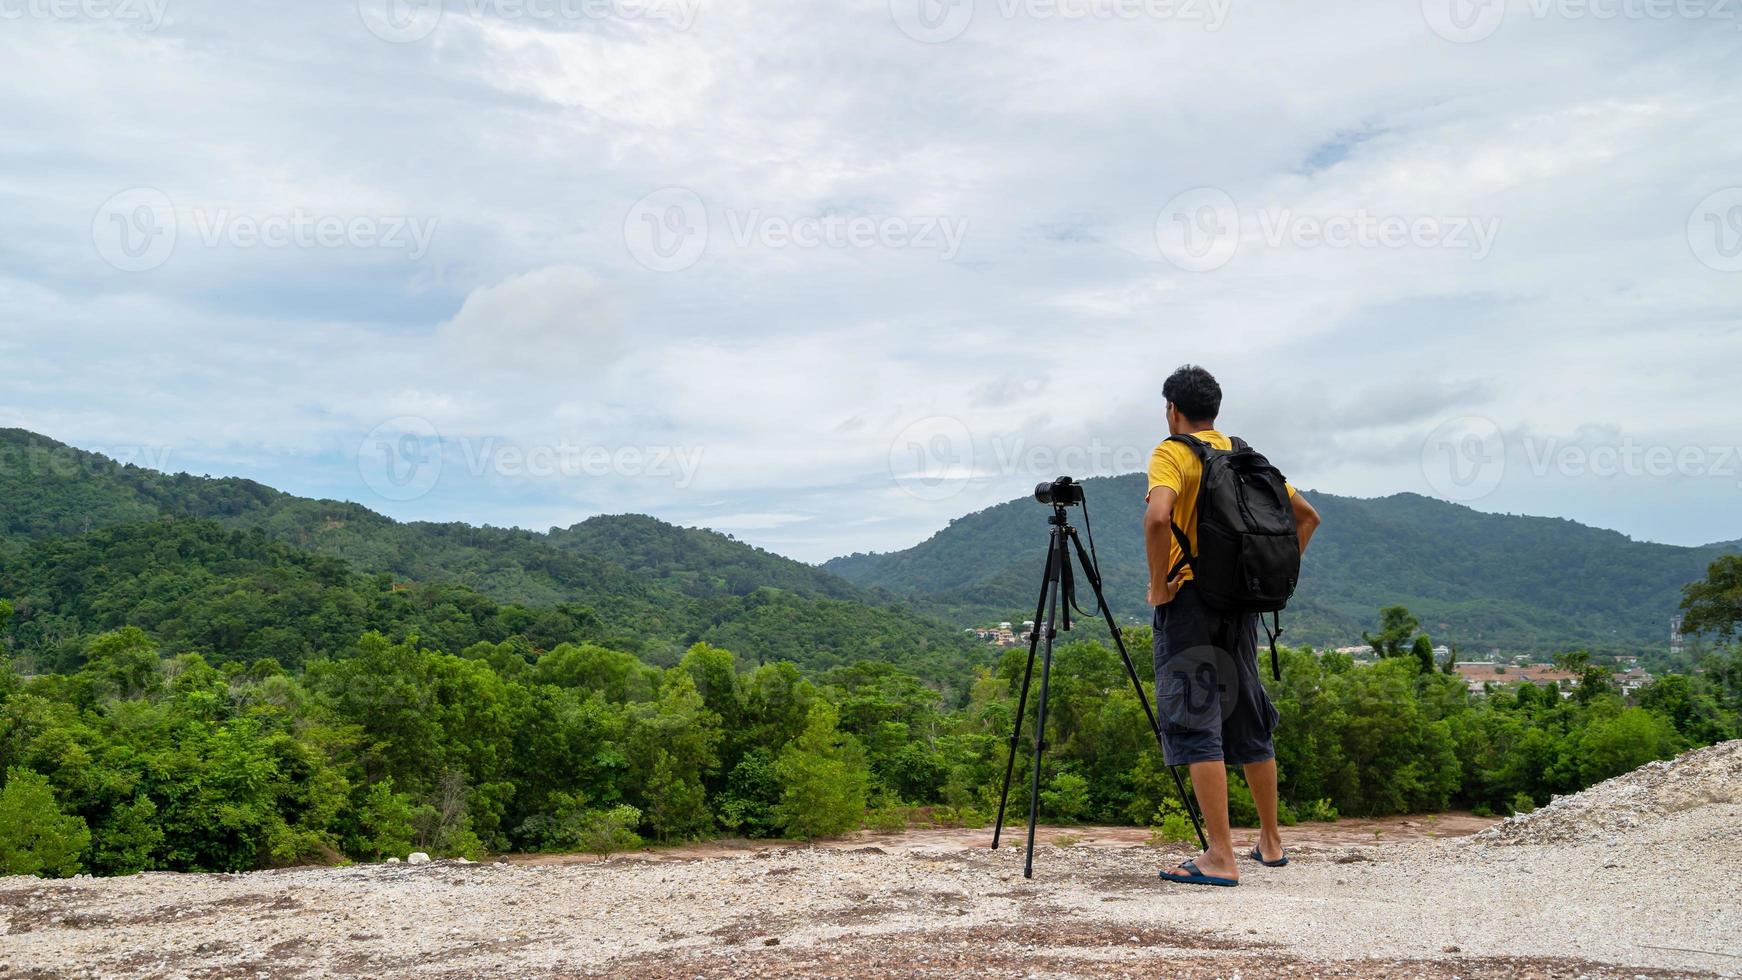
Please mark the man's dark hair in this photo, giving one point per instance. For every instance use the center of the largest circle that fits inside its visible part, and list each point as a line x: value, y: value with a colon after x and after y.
x: 1194, y: 392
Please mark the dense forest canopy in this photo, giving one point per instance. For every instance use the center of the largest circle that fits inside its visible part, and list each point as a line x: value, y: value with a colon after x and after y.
x: 209, y: 675
x: 88, y: 544
x: 139, y: 761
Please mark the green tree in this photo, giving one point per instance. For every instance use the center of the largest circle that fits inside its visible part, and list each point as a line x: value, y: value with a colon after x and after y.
x: 1423, y: 651
x: 674, y: 745
x: 1714, y: 606
x: 1066, y: 797
x: 1614, y: 745
x: 36, y: 838
x: 1396, y: 626
x: 824, y: 779
x: 752, y: 792
x: 384, y: 823
x: 129, y: 841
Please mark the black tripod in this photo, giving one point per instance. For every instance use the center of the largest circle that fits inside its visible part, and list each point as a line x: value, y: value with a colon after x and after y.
x: 1059, y: 584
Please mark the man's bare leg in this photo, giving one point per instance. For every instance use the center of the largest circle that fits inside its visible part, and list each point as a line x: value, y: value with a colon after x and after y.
x: 1261, y: 777
x: 1210, y: 785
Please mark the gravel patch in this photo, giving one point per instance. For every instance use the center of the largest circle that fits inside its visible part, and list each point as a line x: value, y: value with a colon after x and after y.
x: 1636, y: 801
x: 1659, y: 897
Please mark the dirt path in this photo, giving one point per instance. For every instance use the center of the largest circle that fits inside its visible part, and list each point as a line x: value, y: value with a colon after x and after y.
x: 1343, y: 832
x: 1411, y: 900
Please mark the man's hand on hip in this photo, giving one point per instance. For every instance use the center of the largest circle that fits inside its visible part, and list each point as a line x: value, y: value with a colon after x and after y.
x: 1164, y: 594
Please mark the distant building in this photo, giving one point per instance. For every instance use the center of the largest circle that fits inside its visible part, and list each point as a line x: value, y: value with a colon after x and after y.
x: 1675, y: 635
x: 1632, y: 680
x: 1477, y: 673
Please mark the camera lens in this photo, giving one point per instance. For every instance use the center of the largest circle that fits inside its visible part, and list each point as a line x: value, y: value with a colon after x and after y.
x: 1062, y: 492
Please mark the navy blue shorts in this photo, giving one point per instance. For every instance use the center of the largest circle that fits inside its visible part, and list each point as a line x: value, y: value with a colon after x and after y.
x: 1212, y: 704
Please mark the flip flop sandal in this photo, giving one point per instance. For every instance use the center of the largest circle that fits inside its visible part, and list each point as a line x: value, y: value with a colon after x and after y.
x: 1198, y: 877
x: 1258, y: 856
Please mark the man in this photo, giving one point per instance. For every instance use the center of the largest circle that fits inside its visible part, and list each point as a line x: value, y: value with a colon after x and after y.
x: 1214, y: 710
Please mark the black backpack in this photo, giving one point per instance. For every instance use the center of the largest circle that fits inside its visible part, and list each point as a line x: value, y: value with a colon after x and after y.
x: 1248, y: 557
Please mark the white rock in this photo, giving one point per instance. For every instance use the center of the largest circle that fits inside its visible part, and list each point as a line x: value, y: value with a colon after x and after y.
x: 417, y: 857
x: 392, y: 860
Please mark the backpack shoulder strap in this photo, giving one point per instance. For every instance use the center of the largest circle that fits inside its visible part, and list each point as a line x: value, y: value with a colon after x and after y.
x: 1185, y: 552
x: 1202, y: 451
x: 1199, y: 447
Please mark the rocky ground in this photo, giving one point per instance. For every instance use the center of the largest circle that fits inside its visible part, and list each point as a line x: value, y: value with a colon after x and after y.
x: 1641, y: 876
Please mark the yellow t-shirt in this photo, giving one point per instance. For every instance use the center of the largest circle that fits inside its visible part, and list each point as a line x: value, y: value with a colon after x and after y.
x: 1174, y: 465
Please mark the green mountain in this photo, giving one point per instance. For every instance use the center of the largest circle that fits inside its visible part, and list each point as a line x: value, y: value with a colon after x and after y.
x: 1481, y: 581
x: 76, y: 526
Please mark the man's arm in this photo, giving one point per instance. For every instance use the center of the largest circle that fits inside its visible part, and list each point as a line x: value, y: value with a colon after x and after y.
x: 1157, y: 542
x: 1306, y: 520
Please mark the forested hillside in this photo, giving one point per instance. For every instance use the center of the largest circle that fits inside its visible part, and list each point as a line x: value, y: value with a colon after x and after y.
x: 1478, y: 580
x: 211, y: 675
x: 233, y: 570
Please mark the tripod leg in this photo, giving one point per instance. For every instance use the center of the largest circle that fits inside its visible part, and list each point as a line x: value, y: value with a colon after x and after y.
x: 1093, y: 575
x: 1052, y: 550
x: 1040, y: 714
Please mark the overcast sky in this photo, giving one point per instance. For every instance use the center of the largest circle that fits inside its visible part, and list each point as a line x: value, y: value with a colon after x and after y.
x: 825, y: 275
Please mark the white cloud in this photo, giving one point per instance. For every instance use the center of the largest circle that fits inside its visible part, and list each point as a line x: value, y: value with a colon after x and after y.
x: 789, y: 371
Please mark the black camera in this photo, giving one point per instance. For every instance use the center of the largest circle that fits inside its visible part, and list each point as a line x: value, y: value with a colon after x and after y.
x: 1062, y: 492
